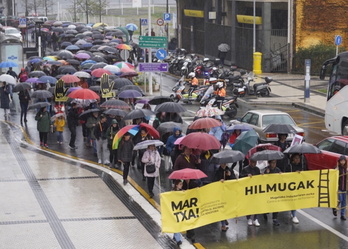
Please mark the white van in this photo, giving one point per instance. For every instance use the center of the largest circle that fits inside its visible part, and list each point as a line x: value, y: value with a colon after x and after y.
x: 41, y: 18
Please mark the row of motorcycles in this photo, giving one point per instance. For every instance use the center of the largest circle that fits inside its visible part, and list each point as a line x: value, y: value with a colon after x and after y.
x: 239, y: 82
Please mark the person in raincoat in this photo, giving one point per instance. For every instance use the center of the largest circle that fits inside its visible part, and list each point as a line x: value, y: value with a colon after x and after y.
x: 170, y: 146
x: 5, y: 97
x: 43, y: 125
x: 151, y: 156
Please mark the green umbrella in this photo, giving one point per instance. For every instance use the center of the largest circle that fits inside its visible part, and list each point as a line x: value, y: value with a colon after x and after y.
x: 245, y: 141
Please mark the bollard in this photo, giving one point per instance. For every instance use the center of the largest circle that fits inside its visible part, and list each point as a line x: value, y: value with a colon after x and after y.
x: 257, y: 63
x: 307, y: 91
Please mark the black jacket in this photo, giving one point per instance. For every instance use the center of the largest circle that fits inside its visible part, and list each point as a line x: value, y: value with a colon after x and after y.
x: 73, y: 117
x: 125, y: 151
x: 220, y: 174
x: 100, y: 130
x: 250, y: 170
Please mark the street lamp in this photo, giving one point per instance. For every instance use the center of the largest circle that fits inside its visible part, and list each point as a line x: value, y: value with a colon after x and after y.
x: 38, y: 23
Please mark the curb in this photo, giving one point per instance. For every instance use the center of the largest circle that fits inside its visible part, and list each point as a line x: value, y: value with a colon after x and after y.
x: 311, y: 109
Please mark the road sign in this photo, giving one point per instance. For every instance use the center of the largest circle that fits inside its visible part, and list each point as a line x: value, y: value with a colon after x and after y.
x: 166, y: 17
x: 153, y: 67
x: 153, y: 42
x: 143, y: 21
x: 160, y: 22
x: 338, y: 40
x: 161, y: 54
x: 124, y: 54
x: 22, y: 22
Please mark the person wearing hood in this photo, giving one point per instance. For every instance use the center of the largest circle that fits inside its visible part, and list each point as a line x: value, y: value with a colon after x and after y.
x: 170, y: 146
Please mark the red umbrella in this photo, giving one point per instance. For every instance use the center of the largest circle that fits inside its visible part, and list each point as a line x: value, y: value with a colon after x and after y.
x: 201, y: 141
x: 203, y: 123
x: 83, y: 94
x: 186, y: 174
x: 261, y: 147
x: 152, y: 131
x: 68, y: 78
x: 99, y: 72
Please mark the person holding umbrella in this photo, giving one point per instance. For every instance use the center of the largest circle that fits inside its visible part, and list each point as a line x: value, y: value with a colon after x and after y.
x: 101, y: 138
x: 249, y: 171
x: 111, y: 132
x: 272, y: 169
x: 283, y: 144
x: 43, y: 125
x: 151, y: 157
x: 223, y: 48
x: 124, y: 154
x: 24, y: 98
x: 5, y: 97
x: 73, y: 122
x: 187, y: 160
x: 224, y: 173
x: 170, y: 146
x: 140, y: 137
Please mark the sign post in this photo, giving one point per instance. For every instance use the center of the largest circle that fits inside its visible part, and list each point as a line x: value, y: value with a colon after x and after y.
x: 307, y: 80
x: 153, y: 41
x: 338, y: 41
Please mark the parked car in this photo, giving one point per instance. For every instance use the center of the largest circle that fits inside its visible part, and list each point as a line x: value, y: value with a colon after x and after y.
x: 331, y: 149
x: 11, y: 32
x: 259, y: 119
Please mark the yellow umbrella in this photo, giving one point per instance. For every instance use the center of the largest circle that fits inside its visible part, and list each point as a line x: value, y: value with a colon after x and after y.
x: 51, y: 58
x: 99, y: 24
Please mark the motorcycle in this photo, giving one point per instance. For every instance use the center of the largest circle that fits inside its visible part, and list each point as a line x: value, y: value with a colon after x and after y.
x: 228, y: 105
x: 189, y: 65
x: 258, y: 89
x: 180, y: 92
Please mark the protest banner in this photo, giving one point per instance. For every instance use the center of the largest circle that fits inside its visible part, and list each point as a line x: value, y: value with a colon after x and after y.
x: 184, y: 210
x: 106, y: 86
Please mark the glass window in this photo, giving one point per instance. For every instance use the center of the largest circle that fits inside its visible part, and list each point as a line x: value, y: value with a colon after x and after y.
x: 254, y: 119
x: 326, y: 144
x: 246, y: 117
x: 277, y: 119
x: 338, y: 147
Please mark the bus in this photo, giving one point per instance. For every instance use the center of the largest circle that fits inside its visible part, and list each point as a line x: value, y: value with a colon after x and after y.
x: 336, y: 111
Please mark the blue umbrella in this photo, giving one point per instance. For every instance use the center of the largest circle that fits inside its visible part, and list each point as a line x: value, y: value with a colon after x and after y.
x: 8, y: 64
x: 129, y: 94
x: 131, y: 27
x: 72, y: 47
x: 245, y: 141
x: 88, y: 61
x: 35, y: 60
x: 87, y: 45
x: 48, y: 79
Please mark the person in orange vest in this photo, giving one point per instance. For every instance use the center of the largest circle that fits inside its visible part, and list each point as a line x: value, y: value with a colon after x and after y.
x: 193, y: 82
x: 220, y: 93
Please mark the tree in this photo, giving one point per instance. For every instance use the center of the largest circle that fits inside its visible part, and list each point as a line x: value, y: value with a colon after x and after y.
x: 90, y: 7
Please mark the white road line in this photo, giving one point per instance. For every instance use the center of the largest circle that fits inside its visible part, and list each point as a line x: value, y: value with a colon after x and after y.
x: 320, y: 223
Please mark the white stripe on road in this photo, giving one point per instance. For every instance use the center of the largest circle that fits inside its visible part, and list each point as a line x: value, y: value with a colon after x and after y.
x: 320, y: 223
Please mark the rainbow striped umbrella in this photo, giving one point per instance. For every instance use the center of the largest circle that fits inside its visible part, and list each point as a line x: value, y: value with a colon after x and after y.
x: 132, y: 129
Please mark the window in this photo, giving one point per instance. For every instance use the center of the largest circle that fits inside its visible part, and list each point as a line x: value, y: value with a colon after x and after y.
x: 277, y: 119
x: 326, y: 144
x: 338, y: 147
x: 254, y: 119
x: 246, y: 117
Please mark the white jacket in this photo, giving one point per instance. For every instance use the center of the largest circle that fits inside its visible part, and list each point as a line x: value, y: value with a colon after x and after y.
x: 151, y: 157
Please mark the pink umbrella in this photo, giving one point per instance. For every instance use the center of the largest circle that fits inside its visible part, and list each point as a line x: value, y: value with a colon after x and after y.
x: 187, y: 174
x: 68, y: 78
x: 124, y: 65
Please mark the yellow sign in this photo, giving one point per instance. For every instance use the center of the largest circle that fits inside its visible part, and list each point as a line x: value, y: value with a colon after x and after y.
x: 60, y: 92
x: 194, y: 13
x: 184, y: 210
x: 106, y: 86
x: 249, y: 19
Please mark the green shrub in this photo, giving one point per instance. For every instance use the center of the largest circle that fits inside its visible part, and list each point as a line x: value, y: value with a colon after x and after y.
x: 317, y: 53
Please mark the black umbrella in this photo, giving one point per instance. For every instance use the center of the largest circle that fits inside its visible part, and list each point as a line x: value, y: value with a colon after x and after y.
x: 171, y: 107
x: 39, y: 105
x: 66, y: 70
x: 42, y: 94
x: 115, y: 103
x: 58, y: 29
x: 73, y: 62
x: 89, y: 112
x: 166, y: 127
x: 267, y: 155
x: 98, y: 65
x: 227, y: 156
x: 71, y: 31
x: 304, y: 148
x: 65, y: 44
x: 132, y: 87
x: 121, y: 82
x: 115, y: 112
x: 99, y: 41
x: 157, y: 100
x: 37, y: 74
x: 80, y: 36
x: 21, y: 87
x: 98, y: 58
x: 279, y: 129
x: 98, y: 36
x: 109, y: 50
x: 95, y: 89
x: 138, y: 113
x: 65, y: 54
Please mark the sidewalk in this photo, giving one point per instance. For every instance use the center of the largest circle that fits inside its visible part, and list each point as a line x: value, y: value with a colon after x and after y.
x: 288, y: 89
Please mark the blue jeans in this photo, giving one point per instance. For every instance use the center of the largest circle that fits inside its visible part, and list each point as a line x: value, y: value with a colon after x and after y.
x: 59, y: 136
x: 342, y: 198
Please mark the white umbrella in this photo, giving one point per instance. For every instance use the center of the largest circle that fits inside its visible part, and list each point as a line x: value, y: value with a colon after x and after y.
x: 146, y: 143
x: 82, y: 74
x: 223, y: 47
x: 113, y: 69
x: 71, y: 26
x: 8, y: 79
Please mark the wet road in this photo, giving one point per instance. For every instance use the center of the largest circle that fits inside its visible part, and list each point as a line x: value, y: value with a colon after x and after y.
x: 317, y: 229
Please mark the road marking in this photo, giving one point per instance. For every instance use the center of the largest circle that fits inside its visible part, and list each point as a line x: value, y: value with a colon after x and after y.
x: 310, y: 123
x: 320, y: 223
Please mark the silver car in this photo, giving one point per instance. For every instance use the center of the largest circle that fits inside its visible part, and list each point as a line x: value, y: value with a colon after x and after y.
x: 259, y: 119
